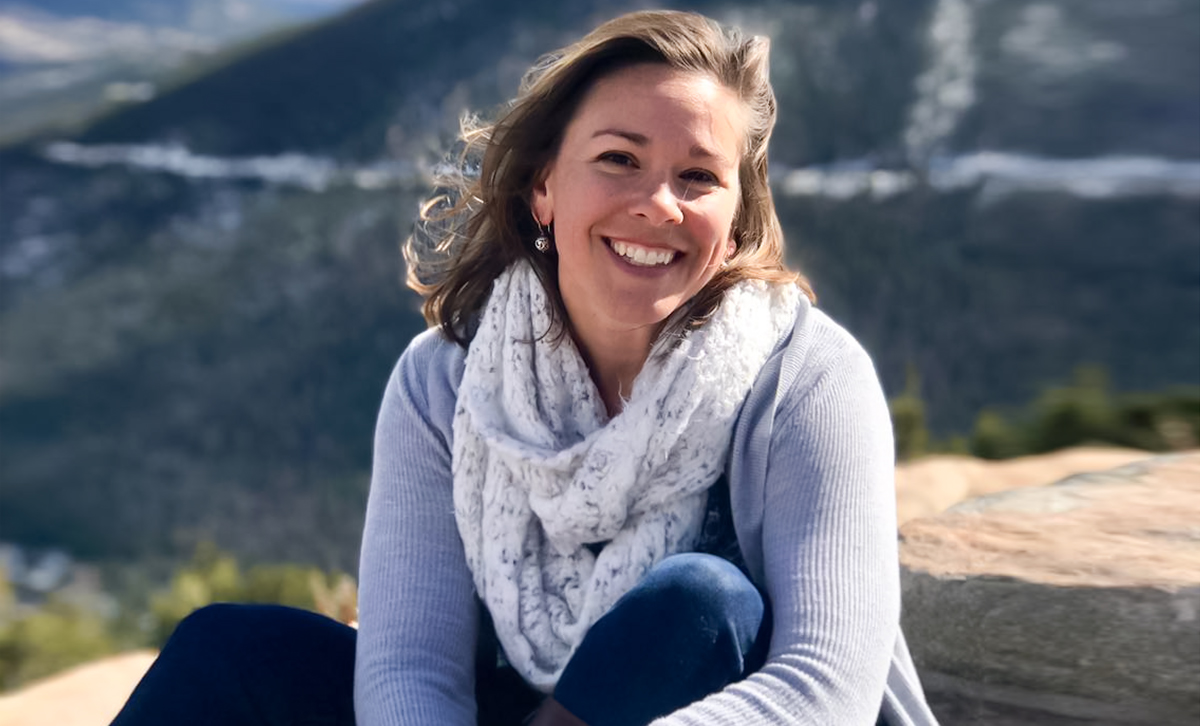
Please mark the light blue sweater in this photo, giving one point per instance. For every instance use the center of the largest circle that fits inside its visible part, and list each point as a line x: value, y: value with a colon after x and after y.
x: 811, y: 486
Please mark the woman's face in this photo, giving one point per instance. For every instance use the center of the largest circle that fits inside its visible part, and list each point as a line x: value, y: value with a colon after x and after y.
x: 642, y: 195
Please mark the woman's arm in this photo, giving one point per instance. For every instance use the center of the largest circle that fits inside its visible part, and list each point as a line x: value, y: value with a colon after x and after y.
x: 825, y: 527
x: 418, y: 619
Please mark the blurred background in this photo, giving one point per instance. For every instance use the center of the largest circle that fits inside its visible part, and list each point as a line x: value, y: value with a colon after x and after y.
x: 201, y: 298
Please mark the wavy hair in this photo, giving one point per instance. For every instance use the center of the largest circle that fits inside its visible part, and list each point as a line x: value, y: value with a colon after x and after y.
x: 481, y: 222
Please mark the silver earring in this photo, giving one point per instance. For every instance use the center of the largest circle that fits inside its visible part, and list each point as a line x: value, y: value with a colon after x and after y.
x: 542, y: 243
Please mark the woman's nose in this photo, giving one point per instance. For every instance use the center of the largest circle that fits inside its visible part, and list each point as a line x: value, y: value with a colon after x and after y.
x: 659, y: 204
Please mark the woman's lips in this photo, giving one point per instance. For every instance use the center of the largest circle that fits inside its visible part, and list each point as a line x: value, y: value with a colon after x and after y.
x: 641, y: 255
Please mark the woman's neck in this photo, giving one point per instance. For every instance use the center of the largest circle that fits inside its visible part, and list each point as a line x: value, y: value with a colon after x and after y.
x: 614, y: 361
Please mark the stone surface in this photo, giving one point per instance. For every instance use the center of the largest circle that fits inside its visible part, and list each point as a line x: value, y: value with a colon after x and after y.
x: 932, y: 484
x: 1076, y: 601
x: 88, y: 695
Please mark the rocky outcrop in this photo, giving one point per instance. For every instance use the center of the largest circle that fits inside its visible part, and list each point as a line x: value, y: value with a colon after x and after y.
x: 932, y: 484
x: 1075, y: 603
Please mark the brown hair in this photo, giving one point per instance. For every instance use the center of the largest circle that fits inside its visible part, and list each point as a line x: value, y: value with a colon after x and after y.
x: 467, y: 237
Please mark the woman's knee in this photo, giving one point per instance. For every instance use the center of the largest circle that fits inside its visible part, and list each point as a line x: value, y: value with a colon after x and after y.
x: 700, y: 581
x: 210, y: 625
x: 693, y: 592
x: 241, y: 664
x: 683, y: 632
x: 237, y: 627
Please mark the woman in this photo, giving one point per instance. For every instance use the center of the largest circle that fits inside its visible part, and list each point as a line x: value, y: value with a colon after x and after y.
x: 632, y: 475
x: 616, y: 329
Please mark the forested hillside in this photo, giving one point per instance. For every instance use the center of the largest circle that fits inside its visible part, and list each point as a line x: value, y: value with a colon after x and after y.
x: 63, y: 61
x: 201, y: 296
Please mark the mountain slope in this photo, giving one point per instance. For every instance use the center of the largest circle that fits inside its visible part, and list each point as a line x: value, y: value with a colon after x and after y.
x: 62, y: 62
x: 200, y: 297
x: 397, y: 64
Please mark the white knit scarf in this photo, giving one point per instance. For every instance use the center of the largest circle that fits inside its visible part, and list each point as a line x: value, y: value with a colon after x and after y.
x: 540, y: 472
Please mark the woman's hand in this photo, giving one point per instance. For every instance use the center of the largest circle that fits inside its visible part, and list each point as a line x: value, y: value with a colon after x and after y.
x: 553, y: 713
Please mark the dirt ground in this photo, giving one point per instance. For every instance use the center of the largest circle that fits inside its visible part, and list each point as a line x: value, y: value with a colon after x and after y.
x: 87, y: 695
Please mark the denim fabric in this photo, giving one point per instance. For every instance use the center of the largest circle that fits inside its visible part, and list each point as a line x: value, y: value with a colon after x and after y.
x: 687, y: 630
x: 692, y: 626
x: 237, y: 665
x: 268, y: 665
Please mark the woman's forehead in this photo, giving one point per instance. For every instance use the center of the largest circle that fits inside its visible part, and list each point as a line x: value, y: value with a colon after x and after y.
x: 655, y: 103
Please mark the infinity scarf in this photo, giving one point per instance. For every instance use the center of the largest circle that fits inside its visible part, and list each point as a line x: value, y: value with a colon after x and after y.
x: 540, y: 472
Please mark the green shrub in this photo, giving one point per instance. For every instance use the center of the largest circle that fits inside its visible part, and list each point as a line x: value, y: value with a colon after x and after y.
x: 57, y: 636
x: 994, y: 438
x: 215, y: 576
x: 36, y: 642
x: 1084, y: 412
x: 1088, y: 412
x: 908, y: 419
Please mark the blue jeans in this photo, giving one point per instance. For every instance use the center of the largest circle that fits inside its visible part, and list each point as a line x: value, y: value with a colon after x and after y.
x: 688, y: 629
x: 693, y: 625
x: 238, y: 665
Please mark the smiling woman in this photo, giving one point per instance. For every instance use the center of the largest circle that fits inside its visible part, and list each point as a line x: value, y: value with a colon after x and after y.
x: 641, y: 197
x: 632, y: 475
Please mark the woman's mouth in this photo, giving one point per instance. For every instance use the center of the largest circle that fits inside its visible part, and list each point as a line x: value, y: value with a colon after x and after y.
x: 642, y: 256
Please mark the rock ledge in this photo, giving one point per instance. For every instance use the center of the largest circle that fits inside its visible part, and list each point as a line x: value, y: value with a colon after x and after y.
x: 1079, y: 600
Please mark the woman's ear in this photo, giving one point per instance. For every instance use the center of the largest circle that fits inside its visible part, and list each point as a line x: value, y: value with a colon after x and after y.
x: 542, y: 198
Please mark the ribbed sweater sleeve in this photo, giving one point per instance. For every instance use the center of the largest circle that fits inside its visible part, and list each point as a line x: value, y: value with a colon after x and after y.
x: 814, y: 507
x: 417, y: 613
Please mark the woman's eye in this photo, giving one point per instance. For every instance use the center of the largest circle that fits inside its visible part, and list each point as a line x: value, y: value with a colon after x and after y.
x: 700, y: 176
x: 618, y: 158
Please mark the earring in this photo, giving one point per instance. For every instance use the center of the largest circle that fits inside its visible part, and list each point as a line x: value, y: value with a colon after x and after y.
x: 542, y: 243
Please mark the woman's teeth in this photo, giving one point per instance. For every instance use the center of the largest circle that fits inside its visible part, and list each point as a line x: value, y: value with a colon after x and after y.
x: 641, y: 255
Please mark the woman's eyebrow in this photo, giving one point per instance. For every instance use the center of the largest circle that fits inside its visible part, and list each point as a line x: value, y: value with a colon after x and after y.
x: 697, y: 151
x: 701, y: 152
x: 631, y: 136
